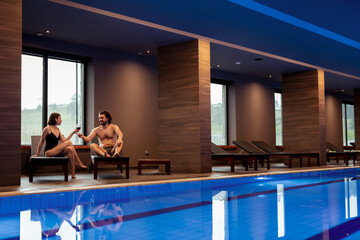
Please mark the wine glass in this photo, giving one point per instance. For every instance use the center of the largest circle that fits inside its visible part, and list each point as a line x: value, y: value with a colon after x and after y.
x: 147, y: 154
x: 78, y: 127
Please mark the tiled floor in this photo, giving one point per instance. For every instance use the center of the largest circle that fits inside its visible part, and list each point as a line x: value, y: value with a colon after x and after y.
x: 54, y: 182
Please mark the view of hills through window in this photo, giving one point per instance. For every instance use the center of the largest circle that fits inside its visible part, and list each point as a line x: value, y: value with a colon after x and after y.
x: 218, y: 114
x: 65, y: 95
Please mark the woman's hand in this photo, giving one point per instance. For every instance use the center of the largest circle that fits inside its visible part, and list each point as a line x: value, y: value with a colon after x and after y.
x: 76, y: 130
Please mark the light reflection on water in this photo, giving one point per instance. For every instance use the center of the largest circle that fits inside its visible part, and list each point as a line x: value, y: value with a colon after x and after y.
x: 304, y: 206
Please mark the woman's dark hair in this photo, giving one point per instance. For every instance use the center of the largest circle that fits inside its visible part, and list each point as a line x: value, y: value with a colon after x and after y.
x: 52, y: 117
x: 107, y: 115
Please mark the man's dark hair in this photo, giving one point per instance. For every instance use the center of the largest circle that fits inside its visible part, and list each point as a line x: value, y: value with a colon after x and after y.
x: 107, y: 115
x: 52, y: 117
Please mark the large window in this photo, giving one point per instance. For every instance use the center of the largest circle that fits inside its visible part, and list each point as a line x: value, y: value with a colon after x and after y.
x: 218, y: 114
x: 278, y: 118
x: 348, y: 121
x: 31, y: 97
x: 51, y: 84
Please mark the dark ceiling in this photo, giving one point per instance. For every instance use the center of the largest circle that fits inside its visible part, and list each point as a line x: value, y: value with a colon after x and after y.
x: 324, y: 35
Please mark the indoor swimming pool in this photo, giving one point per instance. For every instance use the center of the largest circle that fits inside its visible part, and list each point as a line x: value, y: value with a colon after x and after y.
x: 303, y: 205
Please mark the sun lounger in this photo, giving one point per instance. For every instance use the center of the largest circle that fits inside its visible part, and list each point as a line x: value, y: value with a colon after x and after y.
x: 45, y: 161
x: 338, y: 153
x: 252, y: 149
x: 220, y: 154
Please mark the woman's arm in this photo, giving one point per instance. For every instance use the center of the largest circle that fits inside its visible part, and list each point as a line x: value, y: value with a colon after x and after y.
x: 43, y: 136
x: 63, y: 139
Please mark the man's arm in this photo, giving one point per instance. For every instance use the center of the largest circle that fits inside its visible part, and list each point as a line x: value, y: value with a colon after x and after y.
x: 90, y: 137
x: 119, y: 135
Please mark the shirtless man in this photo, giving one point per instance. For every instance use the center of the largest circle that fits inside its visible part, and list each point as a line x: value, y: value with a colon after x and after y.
x: 109, y: 136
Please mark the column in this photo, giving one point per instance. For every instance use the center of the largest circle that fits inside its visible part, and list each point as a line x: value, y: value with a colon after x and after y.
x: 10, y: 91
x: 184, y: 106
x: 304, y: 113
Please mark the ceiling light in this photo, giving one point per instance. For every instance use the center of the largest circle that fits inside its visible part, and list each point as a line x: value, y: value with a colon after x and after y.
x: 237, y: 63
x: 47, y: 31
x: 148, y: 51
x: 258, y: 59
x: 218, y: 65
x: 270, y: 76
x: 140, y: 53
x: 39, y: 34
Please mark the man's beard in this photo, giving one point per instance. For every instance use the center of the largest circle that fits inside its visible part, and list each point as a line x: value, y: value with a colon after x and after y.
x: 103, y: 123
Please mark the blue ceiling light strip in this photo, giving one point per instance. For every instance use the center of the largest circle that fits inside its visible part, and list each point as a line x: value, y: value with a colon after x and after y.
x: 296, y: 22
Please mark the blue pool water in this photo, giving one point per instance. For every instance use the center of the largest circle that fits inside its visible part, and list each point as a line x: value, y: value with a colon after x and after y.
x: 311, y: 205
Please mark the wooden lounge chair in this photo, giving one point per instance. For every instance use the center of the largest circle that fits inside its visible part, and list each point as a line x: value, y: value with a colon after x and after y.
x: 265, y: 147
x: 99, y: 160
x: 217, y: 153
x: 272, y: 149
x: 42, y: 160
x: 221, y: 154
x: 338, y: 153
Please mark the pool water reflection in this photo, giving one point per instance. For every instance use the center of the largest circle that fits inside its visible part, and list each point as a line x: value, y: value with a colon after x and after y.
x: 311, y: 205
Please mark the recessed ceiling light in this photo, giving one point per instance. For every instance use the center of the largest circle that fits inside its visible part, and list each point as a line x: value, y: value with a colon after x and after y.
x: 342, y: 90
x: 47, y: 31
x: 39, y: 34
x: 217, y: 65
x: 270, y: 76
x: 148, y: 51
x: 140, y: 53
x: 258, y: 59
x: 238, y: 62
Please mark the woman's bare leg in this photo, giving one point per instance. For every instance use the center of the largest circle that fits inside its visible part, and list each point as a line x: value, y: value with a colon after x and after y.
x: 69, y: 151
x: 77, y: 159
x: 99, y: 150
x: 58, y: 150
x: 66, y: 148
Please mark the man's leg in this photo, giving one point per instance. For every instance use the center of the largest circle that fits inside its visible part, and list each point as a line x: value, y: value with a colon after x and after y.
x: 99, y: 150
x: 115, y: 152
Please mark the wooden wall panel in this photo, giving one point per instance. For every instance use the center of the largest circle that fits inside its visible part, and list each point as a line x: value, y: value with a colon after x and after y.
x: 357, y: 117
x: 10, y: 91
x: 334, y: 132
x: 304, y: 113
x: 184, y: 106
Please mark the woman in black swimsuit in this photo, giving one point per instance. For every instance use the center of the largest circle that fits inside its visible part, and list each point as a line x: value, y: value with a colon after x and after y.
x: 51, y: 135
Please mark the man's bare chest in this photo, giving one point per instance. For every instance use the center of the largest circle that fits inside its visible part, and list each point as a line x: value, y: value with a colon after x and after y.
x: 106, y: 133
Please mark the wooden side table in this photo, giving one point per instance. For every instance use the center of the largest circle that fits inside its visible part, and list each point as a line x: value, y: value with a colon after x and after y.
x: 166, y: 162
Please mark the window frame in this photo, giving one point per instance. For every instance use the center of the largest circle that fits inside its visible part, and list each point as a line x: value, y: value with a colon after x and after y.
x: 346, y: 102
x: 46, y: 55
x: 226, y: 83
x: 278, y: 90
